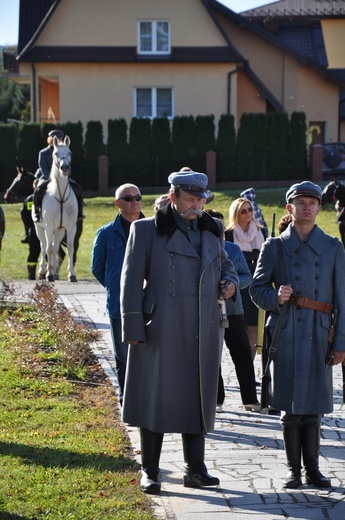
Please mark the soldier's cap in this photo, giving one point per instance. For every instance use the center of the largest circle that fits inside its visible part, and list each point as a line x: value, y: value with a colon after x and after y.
x: 194, y: 183
x: 307, y: 188
x: 58, y: 133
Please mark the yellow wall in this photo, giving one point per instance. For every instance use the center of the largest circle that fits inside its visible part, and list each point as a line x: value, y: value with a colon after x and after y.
x: 102, y: 92
x: 334, y: 37
x: 114, y: 22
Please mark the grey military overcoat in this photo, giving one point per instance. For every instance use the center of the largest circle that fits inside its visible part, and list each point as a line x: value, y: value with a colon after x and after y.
x: 302, y: 382
x: 169, y: 303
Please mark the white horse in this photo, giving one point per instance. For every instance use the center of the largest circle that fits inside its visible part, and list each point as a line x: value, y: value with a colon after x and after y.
x: 59, y: 213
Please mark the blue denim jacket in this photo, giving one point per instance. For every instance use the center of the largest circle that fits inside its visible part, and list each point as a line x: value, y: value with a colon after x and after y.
x: 106, y: 262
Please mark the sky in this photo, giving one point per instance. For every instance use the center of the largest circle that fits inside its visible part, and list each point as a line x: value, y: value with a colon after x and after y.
x: 9, y: 16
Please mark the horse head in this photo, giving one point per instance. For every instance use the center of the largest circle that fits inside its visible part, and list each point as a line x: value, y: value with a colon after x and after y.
x: 328, y: 192
x: 21, y: 187
x: 61, y: 158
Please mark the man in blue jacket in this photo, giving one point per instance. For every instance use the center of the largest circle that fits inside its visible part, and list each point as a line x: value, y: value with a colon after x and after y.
x: 106, y: 264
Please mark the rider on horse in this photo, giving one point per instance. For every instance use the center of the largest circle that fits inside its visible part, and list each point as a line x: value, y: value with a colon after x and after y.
x: 45, y: 159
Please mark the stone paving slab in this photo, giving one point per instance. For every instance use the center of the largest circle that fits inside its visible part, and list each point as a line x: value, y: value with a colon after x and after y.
x: 245, y: 450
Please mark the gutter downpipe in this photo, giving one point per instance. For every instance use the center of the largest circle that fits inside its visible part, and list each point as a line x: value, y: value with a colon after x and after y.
x: 34, y: 98
x: 229, y: 90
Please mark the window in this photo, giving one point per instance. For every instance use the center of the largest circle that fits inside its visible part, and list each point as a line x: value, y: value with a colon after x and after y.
x: 154, y: 37
x: 153, y: 102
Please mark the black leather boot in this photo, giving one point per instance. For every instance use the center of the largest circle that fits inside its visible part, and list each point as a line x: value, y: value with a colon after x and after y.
x: 195, y: 470
x: 293, y: 444
x: 31, y: 272
x: 311, y: 429
x: 38, y: 197
x: 151, y: 447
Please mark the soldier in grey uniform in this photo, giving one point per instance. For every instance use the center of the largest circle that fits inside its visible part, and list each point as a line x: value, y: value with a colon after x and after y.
x: 306, y: 268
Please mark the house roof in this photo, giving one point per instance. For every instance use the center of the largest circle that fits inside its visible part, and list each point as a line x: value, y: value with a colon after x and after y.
x: 303, y: 59
x: 31, y: 15
x: 296, y: 8
x: 99, y: 54
x: 305, y: 38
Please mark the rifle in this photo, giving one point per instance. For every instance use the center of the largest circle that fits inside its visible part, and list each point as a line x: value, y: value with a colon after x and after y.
x: 331, y: 333
x: 266, y: 342
x: 266, y: 375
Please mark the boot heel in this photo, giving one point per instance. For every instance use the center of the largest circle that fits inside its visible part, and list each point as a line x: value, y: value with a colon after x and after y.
x: 187, y: 482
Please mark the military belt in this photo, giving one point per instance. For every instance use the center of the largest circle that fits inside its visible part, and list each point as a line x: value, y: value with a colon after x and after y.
x: 308, y: 303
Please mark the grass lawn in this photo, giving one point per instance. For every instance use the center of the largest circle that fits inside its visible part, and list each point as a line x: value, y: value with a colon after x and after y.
x: 64, y: 452
x: 101, y: 210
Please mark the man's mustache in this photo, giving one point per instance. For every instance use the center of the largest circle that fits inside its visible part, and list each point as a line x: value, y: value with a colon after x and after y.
x: 192, y: 211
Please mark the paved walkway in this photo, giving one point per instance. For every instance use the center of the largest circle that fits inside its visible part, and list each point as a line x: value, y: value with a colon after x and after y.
x: 245, y: 450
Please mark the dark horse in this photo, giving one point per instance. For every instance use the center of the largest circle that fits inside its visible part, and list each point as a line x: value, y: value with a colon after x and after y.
x: 335, y: 192
x: 21, y: 187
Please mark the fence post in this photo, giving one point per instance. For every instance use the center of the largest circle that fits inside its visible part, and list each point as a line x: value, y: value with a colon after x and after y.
x: 315, y: 160
x: 211, y: 168
x: 103, y: 174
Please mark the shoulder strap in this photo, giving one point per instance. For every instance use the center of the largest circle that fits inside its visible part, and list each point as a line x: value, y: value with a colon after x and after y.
x: 281, y: 259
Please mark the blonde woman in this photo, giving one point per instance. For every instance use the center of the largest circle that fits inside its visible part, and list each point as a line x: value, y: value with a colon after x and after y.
x: 246, y: 232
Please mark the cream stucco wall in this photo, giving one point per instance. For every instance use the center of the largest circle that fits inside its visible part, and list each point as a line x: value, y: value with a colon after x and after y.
x: 334, y: 37
x: 114, y: 22
x: 106, y: 91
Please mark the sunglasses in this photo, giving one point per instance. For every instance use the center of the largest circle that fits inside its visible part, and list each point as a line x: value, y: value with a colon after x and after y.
x: 244, y: 211
x: 130, y: 198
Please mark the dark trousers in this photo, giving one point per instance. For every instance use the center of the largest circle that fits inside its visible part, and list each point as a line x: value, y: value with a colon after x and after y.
x: 236, y: 339
x: 151, y: 446
x: 120, y: 352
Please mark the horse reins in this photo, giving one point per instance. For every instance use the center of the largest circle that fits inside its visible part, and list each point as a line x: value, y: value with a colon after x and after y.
x: 62, y: 200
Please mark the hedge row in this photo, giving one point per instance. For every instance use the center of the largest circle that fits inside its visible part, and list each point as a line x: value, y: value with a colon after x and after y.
x: 267, y: 146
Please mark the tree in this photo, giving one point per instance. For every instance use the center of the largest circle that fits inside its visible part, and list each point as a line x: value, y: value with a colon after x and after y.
x: 13, y: 99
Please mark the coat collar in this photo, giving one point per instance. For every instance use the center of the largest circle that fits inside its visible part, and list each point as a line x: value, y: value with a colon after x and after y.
x: 166, y: 225
x: 291, y: 241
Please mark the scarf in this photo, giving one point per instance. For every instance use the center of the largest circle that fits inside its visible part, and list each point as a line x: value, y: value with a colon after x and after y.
x: 248, y: 240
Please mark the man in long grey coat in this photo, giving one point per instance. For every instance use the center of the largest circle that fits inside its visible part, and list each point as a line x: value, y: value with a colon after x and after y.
x: 307, y: 268
x: 171, y: 277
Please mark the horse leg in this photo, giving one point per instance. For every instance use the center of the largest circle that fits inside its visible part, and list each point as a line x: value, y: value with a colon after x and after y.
x: 52, y: 251
x: 71, y: 232
x: 42, y: 269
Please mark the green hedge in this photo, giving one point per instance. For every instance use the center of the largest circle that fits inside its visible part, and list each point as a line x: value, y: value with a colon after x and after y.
x: 8, y: 151
x: 267, y: 146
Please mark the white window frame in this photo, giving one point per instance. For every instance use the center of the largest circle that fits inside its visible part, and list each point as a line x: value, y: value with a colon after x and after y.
x: 153, y: 101
x: 153, y: 37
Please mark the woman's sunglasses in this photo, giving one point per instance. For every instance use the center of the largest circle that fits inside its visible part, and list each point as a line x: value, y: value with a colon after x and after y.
x: 130, y: 198
x: 244, y: 211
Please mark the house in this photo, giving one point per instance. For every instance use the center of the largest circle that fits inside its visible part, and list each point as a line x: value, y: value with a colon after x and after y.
x: 87, y: 60
x: 314, y: 29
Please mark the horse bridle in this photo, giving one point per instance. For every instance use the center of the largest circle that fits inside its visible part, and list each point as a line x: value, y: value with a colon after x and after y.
x: 62, y: 195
